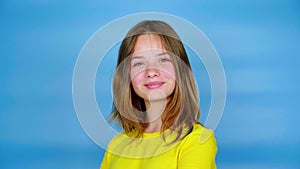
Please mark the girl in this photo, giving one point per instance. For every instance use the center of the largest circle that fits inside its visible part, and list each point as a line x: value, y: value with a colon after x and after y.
x: 156, y: 103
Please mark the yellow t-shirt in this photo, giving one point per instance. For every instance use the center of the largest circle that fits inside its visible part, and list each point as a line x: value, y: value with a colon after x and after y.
x: 196, y: 151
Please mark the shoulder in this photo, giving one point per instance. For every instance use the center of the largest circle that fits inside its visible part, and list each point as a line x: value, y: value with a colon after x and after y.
x: 200, y: 137
x: 198, y: 149
x: 117, y: 139
x: 202, y: 134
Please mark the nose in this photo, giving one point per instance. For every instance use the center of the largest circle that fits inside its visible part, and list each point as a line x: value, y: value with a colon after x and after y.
x: 152, y: 72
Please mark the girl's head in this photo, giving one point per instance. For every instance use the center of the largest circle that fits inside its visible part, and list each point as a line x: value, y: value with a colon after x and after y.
x: 152, y: 71
x: 153, y: 65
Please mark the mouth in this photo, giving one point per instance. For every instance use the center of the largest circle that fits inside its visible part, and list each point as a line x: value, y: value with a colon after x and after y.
x: 154, y: 85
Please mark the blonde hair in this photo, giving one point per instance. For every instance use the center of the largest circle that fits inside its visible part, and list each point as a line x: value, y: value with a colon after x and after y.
x: 182, y: 110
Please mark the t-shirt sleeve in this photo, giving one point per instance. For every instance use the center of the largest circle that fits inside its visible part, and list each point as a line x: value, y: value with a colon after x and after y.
x: 106, y: 161
x: 198, y: 152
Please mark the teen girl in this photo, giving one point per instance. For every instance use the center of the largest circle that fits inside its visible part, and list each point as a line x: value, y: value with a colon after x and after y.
x: 156, y: 103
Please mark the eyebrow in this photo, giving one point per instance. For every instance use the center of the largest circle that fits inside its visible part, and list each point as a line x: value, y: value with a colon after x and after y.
x: 163, y: 53
x: 136, y: 57
x: 139, y: 57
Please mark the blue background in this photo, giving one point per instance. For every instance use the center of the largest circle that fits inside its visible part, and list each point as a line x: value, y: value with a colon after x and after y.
x: 257, y: 41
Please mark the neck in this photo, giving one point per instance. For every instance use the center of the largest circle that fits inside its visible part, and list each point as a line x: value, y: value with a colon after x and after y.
x: 154, y: 113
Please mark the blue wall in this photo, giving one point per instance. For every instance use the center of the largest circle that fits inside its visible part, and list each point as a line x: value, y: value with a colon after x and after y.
x: 256, y: 41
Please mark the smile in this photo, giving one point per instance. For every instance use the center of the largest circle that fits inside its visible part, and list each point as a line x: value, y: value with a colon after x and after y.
x: 154, y: 85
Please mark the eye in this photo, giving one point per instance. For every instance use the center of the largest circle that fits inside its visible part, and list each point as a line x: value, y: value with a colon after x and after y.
x: 164, y: 57
x: 138, y: 64
x: 165, y: 60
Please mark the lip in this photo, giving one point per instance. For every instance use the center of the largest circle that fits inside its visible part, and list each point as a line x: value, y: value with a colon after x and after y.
x: 154, y: 85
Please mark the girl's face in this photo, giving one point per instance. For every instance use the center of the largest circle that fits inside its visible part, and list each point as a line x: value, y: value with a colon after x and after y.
x: 152, y: 72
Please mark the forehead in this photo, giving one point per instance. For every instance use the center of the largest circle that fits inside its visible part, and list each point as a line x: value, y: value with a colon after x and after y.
x: 148, y: 41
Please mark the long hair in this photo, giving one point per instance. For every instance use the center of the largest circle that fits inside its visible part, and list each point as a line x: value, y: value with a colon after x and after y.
x: 181, y: 111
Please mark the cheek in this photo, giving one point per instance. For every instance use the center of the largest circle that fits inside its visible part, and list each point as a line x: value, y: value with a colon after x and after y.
x: 169, y: 72
x: 136, y: 74
x: 136, y: 80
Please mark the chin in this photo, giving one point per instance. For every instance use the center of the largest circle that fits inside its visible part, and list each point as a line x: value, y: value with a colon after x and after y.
x: 157, y: 97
